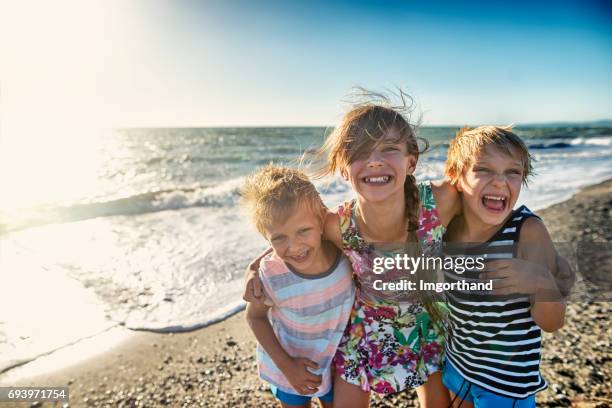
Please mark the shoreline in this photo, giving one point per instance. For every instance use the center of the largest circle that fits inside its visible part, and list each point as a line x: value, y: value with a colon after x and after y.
x: 215, y: 365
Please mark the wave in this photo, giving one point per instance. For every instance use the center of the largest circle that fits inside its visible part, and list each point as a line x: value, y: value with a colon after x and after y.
x: 573, y: 143
x: 228, y: 311
x: 553, y: 142
x: 225, y: 194
x: 558, y: 145
x: 592, y: 141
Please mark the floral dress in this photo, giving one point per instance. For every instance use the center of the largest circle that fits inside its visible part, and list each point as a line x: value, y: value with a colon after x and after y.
x: 388, y: 346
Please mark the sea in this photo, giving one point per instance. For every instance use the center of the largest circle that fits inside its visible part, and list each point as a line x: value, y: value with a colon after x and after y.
x: 141, y: 229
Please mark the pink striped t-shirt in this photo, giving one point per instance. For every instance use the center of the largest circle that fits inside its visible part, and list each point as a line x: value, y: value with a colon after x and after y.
x: 309, y: 315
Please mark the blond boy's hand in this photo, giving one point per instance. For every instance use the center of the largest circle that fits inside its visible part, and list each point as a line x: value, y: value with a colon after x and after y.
x: 300, y: 378
x: 515, y: 275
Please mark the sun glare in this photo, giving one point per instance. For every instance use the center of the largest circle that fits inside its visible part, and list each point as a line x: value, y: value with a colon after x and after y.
x: 53, y: 101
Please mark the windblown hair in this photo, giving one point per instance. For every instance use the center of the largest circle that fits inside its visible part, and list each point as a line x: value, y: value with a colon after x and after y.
x: 272, y: 194
x: 362, y: 128
x: 470, y: 142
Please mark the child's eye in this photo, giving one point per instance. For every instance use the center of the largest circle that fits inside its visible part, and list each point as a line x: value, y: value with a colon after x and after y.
x: 277, y: 239
x: 390, y: 149
x: 481, y: 170
x: 304, y: 231
x: 514, y: 172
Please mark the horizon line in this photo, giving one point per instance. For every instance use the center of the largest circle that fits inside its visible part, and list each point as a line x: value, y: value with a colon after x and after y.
x: 603, y: 122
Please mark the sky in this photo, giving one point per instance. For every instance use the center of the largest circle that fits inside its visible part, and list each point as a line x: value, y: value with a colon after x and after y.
x: 69, y: 64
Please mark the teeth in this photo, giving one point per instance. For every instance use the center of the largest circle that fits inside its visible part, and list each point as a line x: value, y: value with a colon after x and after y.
x: 300, y: 256
x: 488, y: 197
x: 380, y: 179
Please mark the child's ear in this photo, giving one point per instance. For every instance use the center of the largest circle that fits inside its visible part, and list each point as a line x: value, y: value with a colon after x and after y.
x: 323, y: 219
x: 344, y: 174
x: 411, y: 165
x: 459, y: 184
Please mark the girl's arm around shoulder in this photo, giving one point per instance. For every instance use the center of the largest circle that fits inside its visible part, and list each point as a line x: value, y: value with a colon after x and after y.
x: 535, y: 245
x: 448, y: 200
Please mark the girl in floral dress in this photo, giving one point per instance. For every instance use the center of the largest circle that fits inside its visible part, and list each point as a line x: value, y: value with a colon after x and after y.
x: 389, y: 345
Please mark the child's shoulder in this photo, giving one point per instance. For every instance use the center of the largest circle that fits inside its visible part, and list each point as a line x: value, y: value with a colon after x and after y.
x: 271, y: 265
x: 530, y: 227
x: 533, y: 228
x: 334, y: 223
x: 535, y: 243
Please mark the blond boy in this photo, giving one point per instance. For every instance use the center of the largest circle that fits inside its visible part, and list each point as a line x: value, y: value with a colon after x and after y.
x: 308, y: 285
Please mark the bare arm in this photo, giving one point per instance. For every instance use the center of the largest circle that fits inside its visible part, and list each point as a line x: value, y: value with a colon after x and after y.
x: 257, y: 318
x: 448, y: 200
x: 531, y: 273
x: 295, y: 369
x: 548, y: 307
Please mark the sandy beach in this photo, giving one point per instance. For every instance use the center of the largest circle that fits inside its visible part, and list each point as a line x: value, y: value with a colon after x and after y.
x: 215, y: 366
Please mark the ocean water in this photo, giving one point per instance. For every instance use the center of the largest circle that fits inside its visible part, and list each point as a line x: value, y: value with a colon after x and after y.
x: 141, y: 228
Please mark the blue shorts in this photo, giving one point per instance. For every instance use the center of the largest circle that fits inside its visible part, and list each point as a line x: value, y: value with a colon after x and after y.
x: 478, y: 396
x: 296, y: 399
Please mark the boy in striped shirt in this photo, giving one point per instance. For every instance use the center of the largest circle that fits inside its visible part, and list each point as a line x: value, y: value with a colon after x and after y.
x: 308, y: 287
x: 493, y: 352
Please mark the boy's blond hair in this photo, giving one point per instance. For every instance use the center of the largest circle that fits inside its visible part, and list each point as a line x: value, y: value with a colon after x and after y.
x: 470, y: 142
x: 272, y: 194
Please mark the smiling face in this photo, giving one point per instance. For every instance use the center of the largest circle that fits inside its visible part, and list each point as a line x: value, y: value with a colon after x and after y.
x: 297, y: 240
x: 380, y: 173
x: 490, y: 185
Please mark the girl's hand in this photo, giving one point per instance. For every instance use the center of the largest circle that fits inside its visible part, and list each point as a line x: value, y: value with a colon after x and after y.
x: 298, y: 375
x: 517, y: 275
x: 253, y: 288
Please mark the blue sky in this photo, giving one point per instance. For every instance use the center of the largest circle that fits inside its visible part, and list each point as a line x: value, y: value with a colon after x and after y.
x: 242, y: 63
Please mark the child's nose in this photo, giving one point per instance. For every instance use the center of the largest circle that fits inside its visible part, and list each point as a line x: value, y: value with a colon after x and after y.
x: 499, y: 179
x: 374, y: 160
x: 293, y: 244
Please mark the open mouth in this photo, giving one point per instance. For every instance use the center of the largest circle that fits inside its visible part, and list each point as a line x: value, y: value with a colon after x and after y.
x: 377, y: 180
x: 494, y: 203
x: 300, y: 257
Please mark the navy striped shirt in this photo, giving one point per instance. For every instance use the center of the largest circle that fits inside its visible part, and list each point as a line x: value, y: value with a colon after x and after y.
x: 494, y: 343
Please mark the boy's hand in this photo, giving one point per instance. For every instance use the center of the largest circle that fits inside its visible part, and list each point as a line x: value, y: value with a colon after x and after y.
x: 300, y: 378
x: 517, y: 275
x: 565, y: 276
